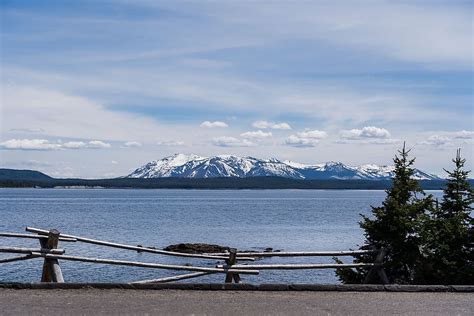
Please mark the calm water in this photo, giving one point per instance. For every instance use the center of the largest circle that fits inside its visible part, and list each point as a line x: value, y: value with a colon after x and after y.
x: 290, y: 220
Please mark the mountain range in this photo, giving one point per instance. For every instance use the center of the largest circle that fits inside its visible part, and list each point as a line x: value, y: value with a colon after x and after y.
x: 194, y: 166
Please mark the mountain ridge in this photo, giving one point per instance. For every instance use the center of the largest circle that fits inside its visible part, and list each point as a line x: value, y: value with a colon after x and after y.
x: 195, y: 166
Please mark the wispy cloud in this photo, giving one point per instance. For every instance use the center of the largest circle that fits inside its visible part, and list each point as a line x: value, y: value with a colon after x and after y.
x: 446, y: 27
x: 90, y: 119
x: 132, y: 144
x: 170, y: 143
x: 27, y: 130
x: 97, y: 144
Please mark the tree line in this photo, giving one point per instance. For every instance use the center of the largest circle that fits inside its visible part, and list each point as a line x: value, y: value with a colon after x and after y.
x: 426, y: 241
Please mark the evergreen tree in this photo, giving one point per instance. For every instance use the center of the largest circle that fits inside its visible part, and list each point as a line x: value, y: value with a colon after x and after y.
x: 447, y: 233
x: 394, y: 227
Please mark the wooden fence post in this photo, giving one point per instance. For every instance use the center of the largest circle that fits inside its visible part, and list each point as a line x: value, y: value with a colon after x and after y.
x: 230, y: 262
x: 379, y: 261
x: 378, y: 268
x: 51, y: 270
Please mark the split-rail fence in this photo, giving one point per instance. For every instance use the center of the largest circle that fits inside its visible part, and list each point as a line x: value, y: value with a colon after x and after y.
x: 231, y: 266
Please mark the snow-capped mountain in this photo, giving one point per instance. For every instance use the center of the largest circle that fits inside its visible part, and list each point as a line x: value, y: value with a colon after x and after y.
x: 193, y: 166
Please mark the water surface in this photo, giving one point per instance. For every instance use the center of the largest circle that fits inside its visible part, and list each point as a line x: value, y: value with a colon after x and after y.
x: 289, y: 220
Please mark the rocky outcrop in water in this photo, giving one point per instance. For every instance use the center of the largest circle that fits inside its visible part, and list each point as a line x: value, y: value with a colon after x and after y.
x: 196, y: 248
x: 207, y: 248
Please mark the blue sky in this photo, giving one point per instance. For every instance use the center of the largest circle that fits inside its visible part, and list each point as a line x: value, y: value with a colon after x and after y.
x: 97, y: 88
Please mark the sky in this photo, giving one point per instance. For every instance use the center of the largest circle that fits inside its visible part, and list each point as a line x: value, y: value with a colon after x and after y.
x: 96, y: 88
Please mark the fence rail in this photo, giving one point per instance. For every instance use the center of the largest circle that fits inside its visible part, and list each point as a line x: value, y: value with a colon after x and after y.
x: 300, y: 253
x: 52, y: 255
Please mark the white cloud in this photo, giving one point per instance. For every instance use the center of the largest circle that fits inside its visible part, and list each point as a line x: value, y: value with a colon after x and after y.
x: 297, y: 141
x: 132, y: 144
x: 307, y: 138
x: 272, y: 125
x: 97, y: 144
x: 170, y: 143
x: 227, y: 141
x: 43, y: 144
x: 436, y: 140
x: 114, y: 162
x: 256, y: 134
x: 462, y: 134
x: 440, y: 139
x: 29, y: 144
x: 215, y: 124
x: 281, y: 126
x: 316, y: 134
x: 261, y: 124
x: 74, y: 145
x: 365, y: 132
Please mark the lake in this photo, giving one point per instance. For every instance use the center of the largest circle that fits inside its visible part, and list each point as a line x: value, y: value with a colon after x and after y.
x: 289, y: 220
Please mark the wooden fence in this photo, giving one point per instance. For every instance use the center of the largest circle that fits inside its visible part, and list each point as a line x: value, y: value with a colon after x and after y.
x: 230, y: 266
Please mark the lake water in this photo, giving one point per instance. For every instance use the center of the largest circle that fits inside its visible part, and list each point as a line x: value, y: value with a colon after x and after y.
x: 289, y: 220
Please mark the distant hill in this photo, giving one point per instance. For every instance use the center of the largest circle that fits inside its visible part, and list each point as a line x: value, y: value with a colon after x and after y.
x: 14, y: 174
x: 30, y: 178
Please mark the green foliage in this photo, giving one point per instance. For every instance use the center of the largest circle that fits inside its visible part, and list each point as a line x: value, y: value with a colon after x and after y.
x: 447, y: 232
x: 394, y: 226
x: 426, y: 242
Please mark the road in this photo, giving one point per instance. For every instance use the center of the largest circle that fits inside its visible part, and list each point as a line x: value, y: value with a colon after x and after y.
x: 178, y: 302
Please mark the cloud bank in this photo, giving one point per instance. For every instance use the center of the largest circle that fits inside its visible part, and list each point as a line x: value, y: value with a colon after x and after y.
x: 46, y: 145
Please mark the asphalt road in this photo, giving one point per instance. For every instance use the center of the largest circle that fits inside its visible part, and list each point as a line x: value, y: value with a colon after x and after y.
x: 176, y: 302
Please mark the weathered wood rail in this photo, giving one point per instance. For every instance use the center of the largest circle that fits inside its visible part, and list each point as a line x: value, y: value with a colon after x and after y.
x: 52, y: 255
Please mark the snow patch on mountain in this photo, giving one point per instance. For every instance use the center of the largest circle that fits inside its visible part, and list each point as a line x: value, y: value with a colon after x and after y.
x: 194, y: 166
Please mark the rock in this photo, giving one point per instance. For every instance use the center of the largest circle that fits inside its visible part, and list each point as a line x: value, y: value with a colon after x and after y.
x: 196, y: 248
x: 207, y: 248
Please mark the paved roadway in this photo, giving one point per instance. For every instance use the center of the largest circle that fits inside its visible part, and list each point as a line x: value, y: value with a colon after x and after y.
x: 178, y: 302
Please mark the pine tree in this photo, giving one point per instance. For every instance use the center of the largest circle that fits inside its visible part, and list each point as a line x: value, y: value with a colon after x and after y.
x: 447, y: 233
x: 394, y: 227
